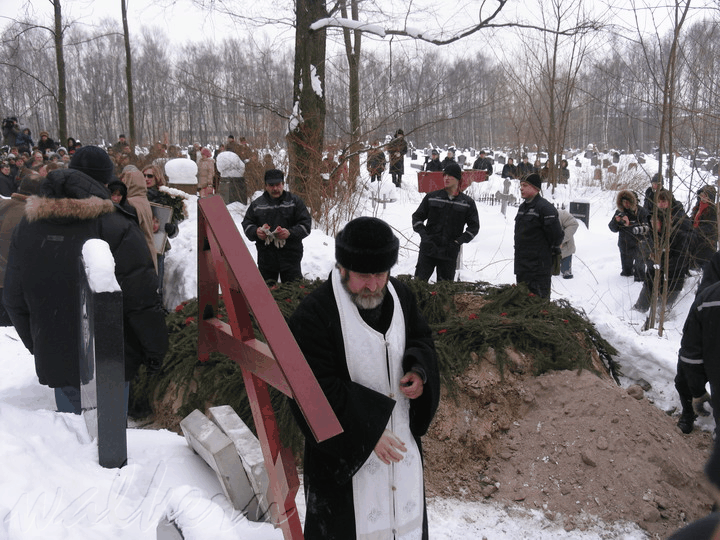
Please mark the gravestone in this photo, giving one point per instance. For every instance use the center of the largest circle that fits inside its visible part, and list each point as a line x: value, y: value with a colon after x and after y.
x: 594, y: 161
x: 577, y: 163
x: 501, y: 160
x: 589, y: 154
x: 182, y: 174
x: 581, y: 210
x: 251, y: 456
x: 472, y: 153
x: 505, y: 197
x: 168, y: 530
x: 632, y: 166
x: 413, y: 155
x: 219, y: 452
x: 605, y: 163
x: 597, y: 175
x: 612, y: 169
x: 616, y: 157
x: 102, y: 357
x: 461, y: 159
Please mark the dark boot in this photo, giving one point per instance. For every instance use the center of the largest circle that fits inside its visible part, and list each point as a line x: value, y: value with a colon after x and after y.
x: 686, y: 423
x: 643, y: 301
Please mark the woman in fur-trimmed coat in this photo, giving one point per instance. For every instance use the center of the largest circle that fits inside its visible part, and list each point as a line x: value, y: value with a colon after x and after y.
x: 631, y: 222
x: 42, y: 279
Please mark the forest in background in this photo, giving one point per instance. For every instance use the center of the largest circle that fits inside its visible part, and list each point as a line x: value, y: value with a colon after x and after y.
x: 609, y: 91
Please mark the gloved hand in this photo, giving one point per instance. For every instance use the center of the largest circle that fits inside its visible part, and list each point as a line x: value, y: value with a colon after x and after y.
x: 698, y: 407
x: 171, y: 229
x: 153, y: 366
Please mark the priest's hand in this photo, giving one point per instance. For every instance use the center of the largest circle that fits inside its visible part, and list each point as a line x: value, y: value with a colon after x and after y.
x: 411, y: 385
x: 388, y: 448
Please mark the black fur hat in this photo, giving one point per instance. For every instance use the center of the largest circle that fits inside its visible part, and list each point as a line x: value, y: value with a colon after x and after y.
x: 367, y: 245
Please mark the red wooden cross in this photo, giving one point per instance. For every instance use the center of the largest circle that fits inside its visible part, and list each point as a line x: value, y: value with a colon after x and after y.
x: 225, y: 262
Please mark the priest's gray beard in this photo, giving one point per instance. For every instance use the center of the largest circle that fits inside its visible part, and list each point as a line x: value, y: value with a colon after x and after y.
x: 365, y: 299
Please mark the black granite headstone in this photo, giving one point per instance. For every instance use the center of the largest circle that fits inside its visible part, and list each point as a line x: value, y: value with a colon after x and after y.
x: 102, y: 371
x: 581, y: 211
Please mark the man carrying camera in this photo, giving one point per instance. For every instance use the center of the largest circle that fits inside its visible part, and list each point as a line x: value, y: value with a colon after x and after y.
x: 632, y: 222
x: 10, y: 131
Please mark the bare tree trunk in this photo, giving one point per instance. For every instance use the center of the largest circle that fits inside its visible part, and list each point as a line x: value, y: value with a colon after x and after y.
x: 666, y: 128
x: 128, y: 75
x: 307, y: 129
x: 352, y: 51
x: 60, y: 61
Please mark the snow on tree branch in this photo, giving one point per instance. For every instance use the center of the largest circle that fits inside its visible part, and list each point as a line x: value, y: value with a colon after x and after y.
x: 348, y: 23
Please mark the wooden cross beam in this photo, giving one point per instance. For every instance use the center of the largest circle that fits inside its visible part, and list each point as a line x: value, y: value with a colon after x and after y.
x: 224, y: 262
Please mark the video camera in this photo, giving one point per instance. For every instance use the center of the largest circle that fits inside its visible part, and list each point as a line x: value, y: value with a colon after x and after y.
x: 9, y: 122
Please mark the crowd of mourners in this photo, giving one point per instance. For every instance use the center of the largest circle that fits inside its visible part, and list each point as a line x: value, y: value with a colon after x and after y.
x: 112, y: 193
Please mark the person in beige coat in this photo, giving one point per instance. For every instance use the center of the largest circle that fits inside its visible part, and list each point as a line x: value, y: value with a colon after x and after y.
x: 137, y: 198
x: 569, y: 225
x: 205, y: 174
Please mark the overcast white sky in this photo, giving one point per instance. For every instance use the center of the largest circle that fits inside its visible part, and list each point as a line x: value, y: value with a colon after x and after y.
x: 183, y: 21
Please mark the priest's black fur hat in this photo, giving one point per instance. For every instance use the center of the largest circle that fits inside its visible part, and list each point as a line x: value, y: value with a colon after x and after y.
x: 367, y: 245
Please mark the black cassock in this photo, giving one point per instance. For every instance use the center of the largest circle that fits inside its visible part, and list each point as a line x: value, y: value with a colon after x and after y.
x: 363, y: 413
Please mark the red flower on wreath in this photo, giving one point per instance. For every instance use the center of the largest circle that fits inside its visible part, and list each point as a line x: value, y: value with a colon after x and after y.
x: 443, y: 331
x: 433, y: 293
x: 472, y: 316
x: 189, y: 320
x: 503, y: 314
x: 180, y: 307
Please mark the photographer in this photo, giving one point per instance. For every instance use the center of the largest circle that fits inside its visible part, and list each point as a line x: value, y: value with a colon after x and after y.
x: 631, y: 222
x: 10, y: 131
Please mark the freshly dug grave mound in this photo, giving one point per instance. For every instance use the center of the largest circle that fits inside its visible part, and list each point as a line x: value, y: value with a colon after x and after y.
x: 530, y: 414
x: 572, y: 444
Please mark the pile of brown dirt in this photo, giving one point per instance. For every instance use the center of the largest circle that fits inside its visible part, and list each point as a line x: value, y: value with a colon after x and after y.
x: 571, y: 444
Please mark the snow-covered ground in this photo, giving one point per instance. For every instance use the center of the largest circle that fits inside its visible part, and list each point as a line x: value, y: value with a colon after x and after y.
x: 52, y: 487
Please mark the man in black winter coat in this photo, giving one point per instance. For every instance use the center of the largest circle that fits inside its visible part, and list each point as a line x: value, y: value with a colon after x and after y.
x: 538, y: 236
x: 277, y: 222
x: 7, y: 182
x: 650, y: 193
x: 433, y: 164
x: 483, y: 163
x: 440, y: 220
x: 41, y: 292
